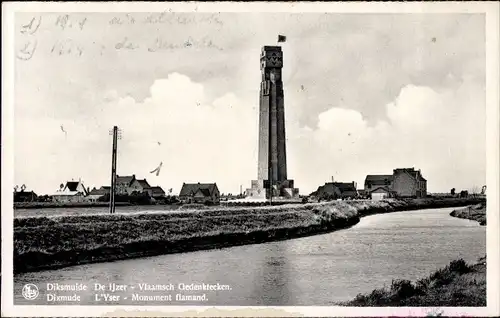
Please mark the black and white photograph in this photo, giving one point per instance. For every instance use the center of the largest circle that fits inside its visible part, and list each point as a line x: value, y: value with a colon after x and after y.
x: 166, y: 155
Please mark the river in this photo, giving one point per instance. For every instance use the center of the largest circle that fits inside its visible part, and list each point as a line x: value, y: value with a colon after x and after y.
x: 311, y: 271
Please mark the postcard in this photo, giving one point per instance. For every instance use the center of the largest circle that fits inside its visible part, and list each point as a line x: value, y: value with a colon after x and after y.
x: 250, y: 159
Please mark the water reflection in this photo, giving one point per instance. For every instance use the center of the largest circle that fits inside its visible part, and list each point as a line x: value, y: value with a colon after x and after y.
x: 272, y: 285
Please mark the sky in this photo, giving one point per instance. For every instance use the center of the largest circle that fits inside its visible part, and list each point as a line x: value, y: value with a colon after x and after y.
x: 364, y: 94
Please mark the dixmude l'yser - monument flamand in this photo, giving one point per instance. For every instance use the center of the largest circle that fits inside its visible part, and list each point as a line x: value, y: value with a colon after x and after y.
x: 272, y: 179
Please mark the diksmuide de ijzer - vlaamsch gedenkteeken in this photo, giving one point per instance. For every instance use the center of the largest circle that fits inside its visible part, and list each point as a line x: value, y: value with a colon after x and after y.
x: 121, y: 294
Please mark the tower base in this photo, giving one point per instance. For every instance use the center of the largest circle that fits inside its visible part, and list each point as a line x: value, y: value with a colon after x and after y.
x: 257, y: 191
x: 284, y: 189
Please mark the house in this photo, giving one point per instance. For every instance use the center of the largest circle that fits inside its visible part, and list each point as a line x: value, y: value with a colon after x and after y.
x: 408, y: 182
x: 25, y: 196
x: 347, y: 189
x: 72, y: 191
x: 336, y: 190
x: 95, y: 194
x: 157, y: 192
x: 381, y: 192
x: 373, y: 182
x: 128, y: 184
x: 199, y: 193
x: 404, y: 182
x: 328, y: 190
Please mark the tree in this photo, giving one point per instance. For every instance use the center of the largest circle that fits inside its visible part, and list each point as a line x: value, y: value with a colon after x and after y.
x: 452, y: 191
x: 474, y: 191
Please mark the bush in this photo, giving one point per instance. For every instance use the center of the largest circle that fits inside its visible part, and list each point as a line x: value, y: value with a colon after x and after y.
x: 442, y: 277
x: 134, y: 198
x: 459, y: 266
x: 422, y: 285
x: 376, y: 297
x: 403, y: 288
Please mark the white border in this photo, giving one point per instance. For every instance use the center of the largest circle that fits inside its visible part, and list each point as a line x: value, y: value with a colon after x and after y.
x: 491, y: 9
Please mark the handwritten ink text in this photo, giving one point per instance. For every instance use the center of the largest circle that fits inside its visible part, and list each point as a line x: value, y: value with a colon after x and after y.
x: 32, y: 27
x: 26, y: 53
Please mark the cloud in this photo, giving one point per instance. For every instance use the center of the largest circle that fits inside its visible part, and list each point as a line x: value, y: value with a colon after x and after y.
x: 437, y: 132
x: 200, y: 140
x: 206, y: 140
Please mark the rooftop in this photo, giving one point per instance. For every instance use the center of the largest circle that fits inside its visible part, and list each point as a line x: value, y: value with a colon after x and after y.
x: 379, y: 178
x: 192, y: 188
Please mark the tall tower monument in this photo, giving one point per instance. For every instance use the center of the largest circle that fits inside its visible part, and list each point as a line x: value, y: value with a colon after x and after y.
x: 272, y: 176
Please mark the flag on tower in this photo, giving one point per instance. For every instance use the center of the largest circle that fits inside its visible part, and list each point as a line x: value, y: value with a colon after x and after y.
x: 281, y: 38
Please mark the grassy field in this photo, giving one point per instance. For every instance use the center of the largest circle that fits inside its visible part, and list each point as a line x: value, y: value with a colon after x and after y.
x: 474, y: 212
x: 457, y: 285
x: 42, y: 205
x: 258, y: 203
x: 59, y: 241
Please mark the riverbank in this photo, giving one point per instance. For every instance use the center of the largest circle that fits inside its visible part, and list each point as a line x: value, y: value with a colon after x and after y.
x: 59, y: 241
x: 457, y: 285
x: 473, y: 212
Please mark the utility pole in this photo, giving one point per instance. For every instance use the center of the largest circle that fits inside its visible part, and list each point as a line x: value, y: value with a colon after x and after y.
x: 271, y: 189
x: 116, y: 133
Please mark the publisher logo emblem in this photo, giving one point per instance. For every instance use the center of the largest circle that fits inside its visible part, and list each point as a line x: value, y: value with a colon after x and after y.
x: 30, y: 291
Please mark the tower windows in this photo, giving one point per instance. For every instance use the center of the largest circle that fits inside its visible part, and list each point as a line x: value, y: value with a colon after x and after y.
x: 264, y: 87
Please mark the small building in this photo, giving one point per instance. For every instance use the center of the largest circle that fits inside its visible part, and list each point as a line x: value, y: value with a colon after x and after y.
x: 404, y: 182
x: 327, y: 191
x: 374, y: 181
x: 381, y: 193
x: 157, y: 192
x: 129, y: 184
x: 95, y: 194
x: 336, y: 190
x: 72, y: 191
x: 408, y: 182
x: 347, y: 189
x: 199, y: 193
x: 25, y: 196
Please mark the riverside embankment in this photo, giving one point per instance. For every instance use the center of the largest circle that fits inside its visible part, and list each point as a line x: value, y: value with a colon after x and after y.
x: 457, y: 285
x: 473, y: 212
x: 60, y: 241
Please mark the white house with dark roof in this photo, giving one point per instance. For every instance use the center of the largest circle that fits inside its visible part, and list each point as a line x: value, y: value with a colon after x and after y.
x: 379, y: 187
x: 72, y: 191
